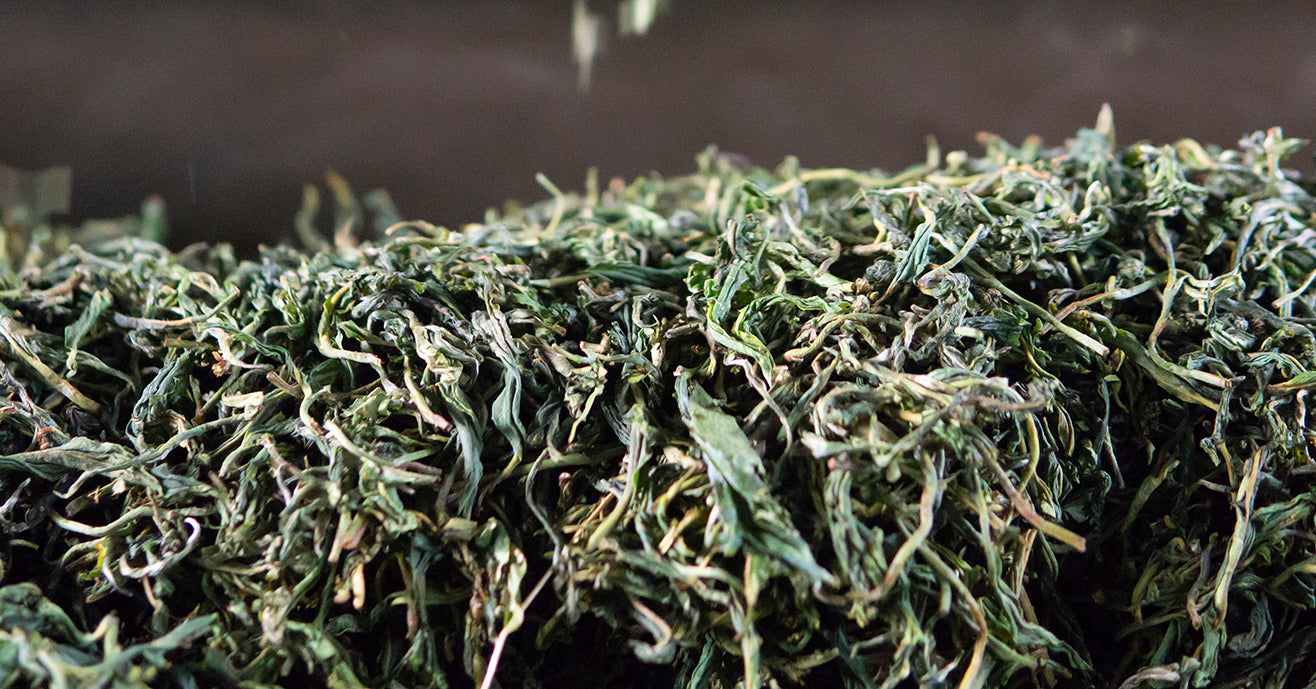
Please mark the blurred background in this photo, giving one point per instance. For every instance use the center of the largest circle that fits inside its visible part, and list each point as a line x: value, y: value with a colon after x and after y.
x: 225, y: 110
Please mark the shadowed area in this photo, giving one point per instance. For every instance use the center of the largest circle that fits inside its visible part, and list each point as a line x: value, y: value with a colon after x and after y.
x: 227, y: 110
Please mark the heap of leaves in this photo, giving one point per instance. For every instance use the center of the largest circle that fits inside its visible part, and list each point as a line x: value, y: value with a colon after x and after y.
x: 1037, y: 418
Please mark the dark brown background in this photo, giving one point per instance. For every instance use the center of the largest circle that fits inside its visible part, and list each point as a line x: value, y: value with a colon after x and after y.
x: 226, y: 109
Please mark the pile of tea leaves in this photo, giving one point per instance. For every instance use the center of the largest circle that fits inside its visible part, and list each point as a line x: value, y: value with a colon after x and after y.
x: 1031, y: 419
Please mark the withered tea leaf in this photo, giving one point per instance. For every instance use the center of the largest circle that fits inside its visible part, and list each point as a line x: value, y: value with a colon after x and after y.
x: 1036, y: 418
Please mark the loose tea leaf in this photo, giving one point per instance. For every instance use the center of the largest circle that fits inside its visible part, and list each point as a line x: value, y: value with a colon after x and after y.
x: 1035, y: 418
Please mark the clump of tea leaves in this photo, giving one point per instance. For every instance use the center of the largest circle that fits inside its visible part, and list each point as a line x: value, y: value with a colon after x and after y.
x: 1032, y: 419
